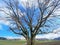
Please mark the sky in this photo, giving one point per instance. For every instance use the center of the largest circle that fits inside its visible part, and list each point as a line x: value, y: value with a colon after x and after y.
x: 5, y: 32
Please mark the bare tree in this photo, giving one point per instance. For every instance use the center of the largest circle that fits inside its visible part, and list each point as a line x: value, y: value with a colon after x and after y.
x: 28, y: 21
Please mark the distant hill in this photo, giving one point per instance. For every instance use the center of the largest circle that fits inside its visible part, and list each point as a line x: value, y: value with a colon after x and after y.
x: 3, y: 38
x: 57, y: 38
x: 41, y: 39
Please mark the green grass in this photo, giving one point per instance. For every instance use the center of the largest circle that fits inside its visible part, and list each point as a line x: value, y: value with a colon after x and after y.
x: 48, y: 42
x: 22, y: 42
x: 44, y: 41
x: 12, y: 42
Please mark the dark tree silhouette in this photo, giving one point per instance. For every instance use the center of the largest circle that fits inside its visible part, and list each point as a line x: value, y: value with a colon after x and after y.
x: 29, y: 19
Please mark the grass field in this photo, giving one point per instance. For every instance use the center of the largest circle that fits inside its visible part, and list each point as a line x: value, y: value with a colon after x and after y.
x: 22, y: 42
x: 12, y: 42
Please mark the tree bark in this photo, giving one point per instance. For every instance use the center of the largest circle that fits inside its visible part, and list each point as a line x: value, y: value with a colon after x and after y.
x: 31, y: 41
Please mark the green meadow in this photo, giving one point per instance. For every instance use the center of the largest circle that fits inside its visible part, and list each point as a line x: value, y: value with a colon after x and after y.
x: 12, y: 42
x: 23, y: 42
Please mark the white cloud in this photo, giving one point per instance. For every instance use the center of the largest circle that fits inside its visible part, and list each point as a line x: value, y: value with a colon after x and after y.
x: 4, y: 22
x: 56, y: 30
x: 55, y: 34
x: 1, y: 27
x: 48, y: 36
x: 11, y: 37
x: 24, y: 2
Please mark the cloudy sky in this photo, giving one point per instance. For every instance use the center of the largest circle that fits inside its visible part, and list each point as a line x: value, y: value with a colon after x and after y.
x: 5, y: 32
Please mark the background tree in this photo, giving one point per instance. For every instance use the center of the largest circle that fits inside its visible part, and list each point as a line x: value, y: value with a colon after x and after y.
x: 29, y: 19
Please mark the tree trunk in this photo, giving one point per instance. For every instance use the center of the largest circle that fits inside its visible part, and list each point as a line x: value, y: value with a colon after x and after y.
x: 31, y: 41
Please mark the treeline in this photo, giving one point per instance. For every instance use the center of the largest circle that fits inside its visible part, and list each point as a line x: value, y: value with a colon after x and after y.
x: 3, y: 38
